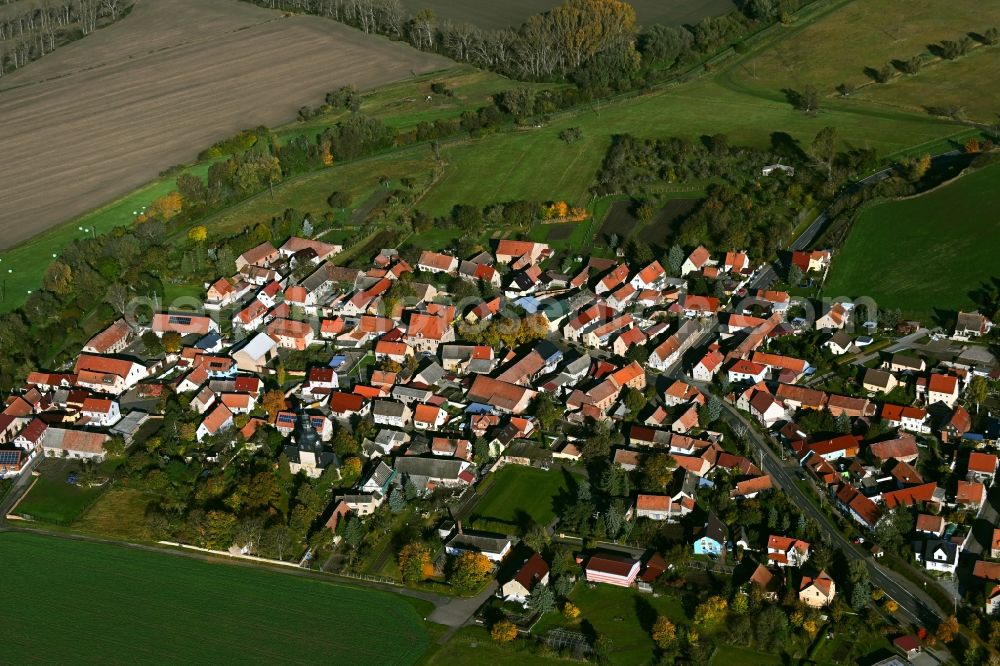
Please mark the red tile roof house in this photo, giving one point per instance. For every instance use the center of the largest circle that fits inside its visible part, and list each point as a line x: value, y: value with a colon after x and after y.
x: 263, y: 255
x: 511, y: 250
x: 913, y: 419
x: 435, y: 262
x: 218, y: 421
x: 903, y: 449
x: 238, y: 403
x: 502, y: 396
x: 942, y: 388
x: 650, y: 277
x: 747, y: 372
x: 182, y: 323
x: 612, y: 569
x: 679, y: 393
x: 535, y: 571
x: 32, y: 436
x: 786, y: 551
x: 844, y: 446
x: 107, y: 375
x: 428, y: 417
x: 633, y: 337
x: 700, y: 306
x: 686, y: 421
x: 250, y: 317
x: 697, y: 260
x: 660, y: 507
x: 426, y: 332
x: 982, y: 467
x: 100, y: 412
x: 111, y: 340
x: 296, y: 244
x: 344, y: 406
x: 291, y: 334
x: 705, y: 369
x: 767, y: 409
x: 970, y: 494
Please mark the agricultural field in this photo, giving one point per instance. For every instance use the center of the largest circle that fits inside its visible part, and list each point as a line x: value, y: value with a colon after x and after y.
x: 483, y: 14
x: 103, y: 601
x: 624, y: 615
x: 155, y: 88
x: 951, y: 233
x: 52, y: 499
x: 878, y: 32
x: 521, y: 495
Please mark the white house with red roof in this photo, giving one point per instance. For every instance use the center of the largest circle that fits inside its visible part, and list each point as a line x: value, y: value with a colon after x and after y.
x: 103, y: 374
x: 696, y: 261
x: 785, y: 551
x: 743, y: 371
x: 650, y: 277
x: 705, y: 369
x: 100, y: 412
x: 942, y: 388
x: 436, y: 262
x: 982, y: 467
x: 216, y: 422
x: 613, y: 569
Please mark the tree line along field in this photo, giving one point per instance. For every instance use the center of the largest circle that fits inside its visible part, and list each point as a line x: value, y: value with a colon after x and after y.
x: 153, y: 89
x: 84, y: 602
x: 871, y: 34
x: 925, y: 252
x: 488, y: 15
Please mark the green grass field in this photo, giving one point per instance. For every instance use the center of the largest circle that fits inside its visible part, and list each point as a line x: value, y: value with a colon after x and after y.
x: 624, y: 615
x: 535, y: 164
x: 84, y: 602
x: 727, y: 655
x: 52, y: 500
x: 924, y: 253
x: 473, y: 646
x: 871, y: 33
x: 120, y: 513
x: 520, y: 493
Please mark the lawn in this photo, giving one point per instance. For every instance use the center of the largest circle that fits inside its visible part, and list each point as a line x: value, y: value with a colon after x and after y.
x: 521, y: 495
x: 52, y: 500
x: 624, y: 615
x: 120, y: 513
x: 726, y: 655
x: 536, y: 165
x: 877, y: 32
x: 473, y: 646
x: 83, y: 602
x: 951, y: 235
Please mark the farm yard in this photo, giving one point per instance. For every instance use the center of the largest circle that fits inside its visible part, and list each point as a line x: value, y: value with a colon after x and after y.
x: 951, y: 233
x: 521, y: 495
x: 879, y: 32
x: 484, y: 14
x: 155, y: 88
x: 81, y: 602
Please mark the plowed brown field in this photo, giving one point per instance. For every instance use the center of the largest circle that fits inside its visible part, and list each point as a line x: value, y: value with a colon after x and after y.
x: 106, y: 114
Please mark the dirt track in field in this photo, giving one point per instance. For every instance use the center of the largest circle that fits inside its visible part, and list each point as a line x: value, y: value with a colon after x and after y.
x: 104, y: 115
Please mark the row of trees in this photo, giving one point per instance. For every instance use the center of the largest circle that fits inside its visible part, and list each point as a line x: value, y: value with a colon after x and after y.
x: 594, y: 43
x: 36, y: 29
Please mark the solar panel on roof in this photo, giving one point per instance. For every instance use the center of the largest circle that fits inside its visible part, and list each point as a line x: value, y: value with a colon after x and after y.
x: 183, y: 321
x: 9, y: 457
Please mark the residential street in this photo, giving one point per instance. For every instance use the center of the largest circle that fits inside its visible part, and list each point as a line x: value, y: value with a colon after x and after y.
x: 914, y: 603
